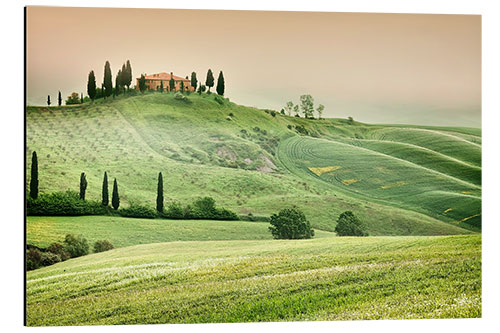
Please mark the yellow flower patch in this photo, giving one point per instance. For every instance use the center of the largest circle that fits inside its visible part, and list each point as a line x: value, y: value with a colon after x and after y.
x: 348, y: 182
x: 319, y: 171
x: 400, y: 183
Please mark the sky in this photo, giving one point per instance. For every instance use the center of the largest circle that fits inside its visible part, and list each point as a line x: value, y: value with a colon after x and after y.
x: 377, y: 68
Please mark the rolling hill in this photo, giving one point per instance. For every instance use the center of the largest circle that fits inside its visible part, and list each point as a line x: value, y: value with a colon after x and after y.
x: 334, y: 278
x: 400, y: 180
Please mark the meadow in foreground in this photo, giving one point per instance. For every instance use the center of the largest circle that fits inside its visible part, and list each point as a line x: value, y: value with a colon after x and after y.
x: 258, y: 280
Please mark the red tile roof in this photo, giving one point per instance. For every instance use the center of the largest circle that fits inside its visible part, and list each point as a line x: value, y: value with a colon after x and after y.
x: 165, y: 76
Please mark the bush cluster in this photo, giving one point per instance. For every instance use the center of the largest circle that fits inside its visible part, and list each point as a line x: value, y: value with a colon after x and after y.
x: 63, y: 204
x: 204, y: 208
x: 102, y: 245
x: 74, y: 246
x: 77, y: 246
x: 138, y: 211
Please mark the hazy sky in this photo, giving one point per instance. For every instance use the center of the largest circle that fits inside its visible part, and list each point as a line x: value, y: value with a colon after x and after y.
x: 378, y: 68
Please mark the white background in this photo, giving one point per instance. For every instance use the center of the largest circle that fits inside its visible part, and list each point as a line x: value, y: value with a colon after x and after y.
x: 12, y: 168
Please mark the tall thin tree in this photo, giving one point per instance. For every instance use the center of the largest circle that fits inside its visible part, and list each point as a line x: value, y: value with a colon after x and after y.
x: 171, y: 82
x: 159, y: 195
x: 194, y: 80
x: 59, y: 99
x: 209, y: 82
x: 48, y: 100
x: 91, y: 86
x: 81, y: 98
x: 83, y: 185
x: 34, y: 176
x: 115, y: 199
x: 118, y: 82
x: 105, y: 194
x: 182, y: 86
x: 142, y: 83
x: 108, y: 79
x: 220, y: 84
x: 128, y: 76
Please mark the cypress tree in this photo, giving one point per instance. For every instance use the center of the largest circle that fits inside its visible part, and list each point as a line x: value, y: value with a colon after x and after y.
x: 171, y: 83
x: 59, y: 99
x: 91, y: 86
x: 159, y: 196
x: 182, y: 86
x: 105, y: 195
x: 48, y: 100
x: 220, y: 84
x: 108, y: 79
x: 142, y: 83
x: 194, y: 80
x: 161, y: 86
x: 81, y: 98
x: 83, y: 185
x: 34, y: 176
x: 128, y: 75
x: 118, y: 82
x: 115, y: 199
x: 210, y: 79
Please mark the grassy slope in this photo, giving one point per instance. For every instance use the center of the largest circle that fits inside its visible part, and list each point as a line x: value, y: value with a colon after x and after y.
x: 193, y: 145
x: 237, y: 281
x: 121, y: 232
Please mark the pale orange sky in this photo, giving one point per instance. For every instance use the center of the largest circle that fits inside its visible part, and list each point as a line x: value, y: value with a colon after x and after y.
x: 380, y: 68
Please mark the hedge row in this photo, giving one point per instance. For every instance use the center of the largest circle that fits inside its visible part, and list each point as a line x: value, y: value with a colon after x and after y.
x: 69, y: 204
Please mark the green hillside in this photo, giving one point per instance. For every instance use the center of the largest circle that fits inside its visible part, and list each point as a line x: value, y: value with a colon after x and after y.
x: 333, y: 278
x: 400, y: 180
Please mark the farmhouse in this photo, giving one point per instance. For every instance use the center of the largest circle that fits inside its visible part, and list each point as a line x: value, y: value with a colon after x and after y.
x: 153, y: 82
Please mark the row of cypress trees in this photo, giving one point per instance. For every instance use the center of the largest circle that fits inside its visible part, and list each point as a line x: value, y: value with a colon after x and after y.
x: 115, y: 198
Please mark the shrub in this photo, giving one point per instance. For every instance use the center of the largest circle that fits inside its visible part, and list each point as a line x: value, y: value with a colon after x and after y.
x: 350, y: 120
x: 204, y: 208
x: 273, y: 113
x: 174, y: 211
x: 290, y: 223
x: 225, y: 214
x: 63, y: 204
x: 289, y: 126
x: 138, y: 211
x: 349, y: 225
x: 231, y: 114
x: 76, y: 245
x: 60, y: 250
x: 102, y: 245
x: 180, y: 97
x: 33, y: 258
x: 49, y: 258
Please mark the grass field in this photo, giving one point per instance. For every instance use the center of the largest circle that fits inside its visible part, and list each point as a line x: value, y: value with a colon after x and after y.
x: 331, y: 278
x: 400, y: 180
x: 121, y: 232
